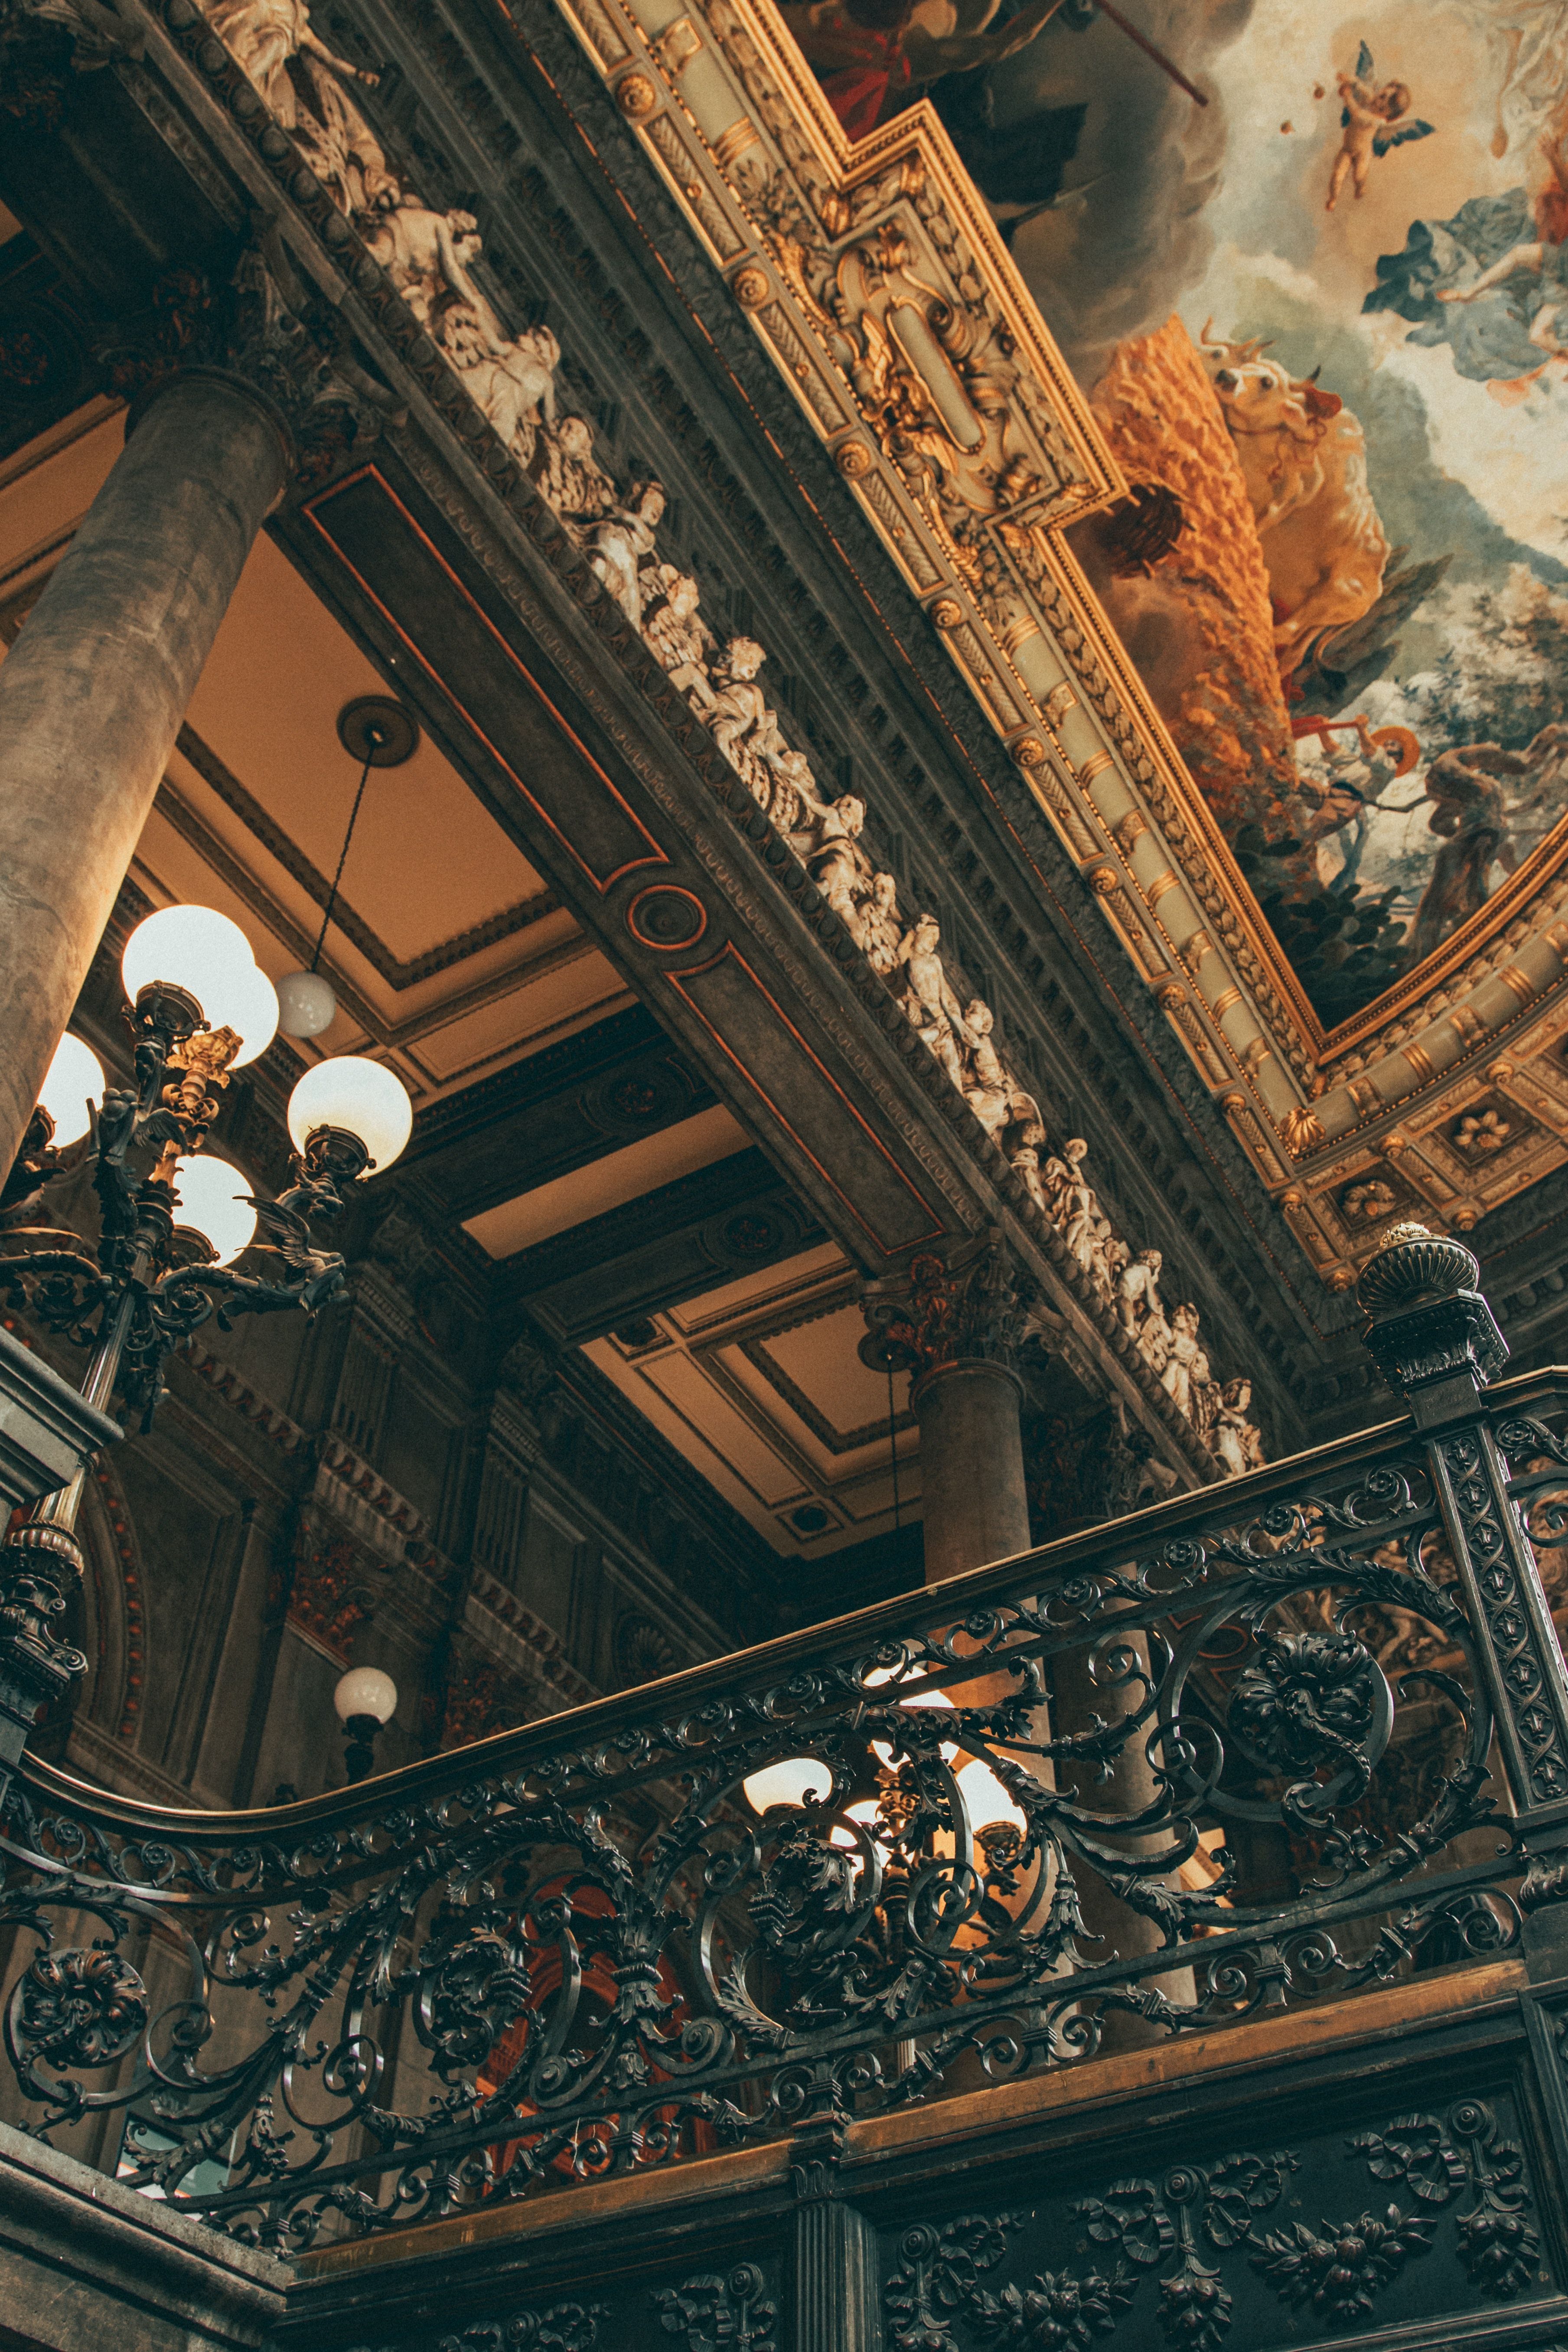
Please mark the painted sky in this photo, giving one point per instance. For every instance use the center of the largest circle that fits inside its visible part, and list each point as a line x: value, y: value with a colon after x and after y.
x: 1219, y: 213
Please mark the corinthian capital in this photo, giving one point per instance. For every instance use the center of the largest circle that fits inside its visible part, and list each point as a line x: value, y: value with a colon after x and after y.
x: 965, y: 1305
x: 268, y: 335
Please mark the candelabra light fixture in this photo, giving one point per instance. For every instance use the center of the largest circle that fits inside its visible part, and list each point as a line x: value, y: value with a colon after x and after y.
x: 172, y: 1217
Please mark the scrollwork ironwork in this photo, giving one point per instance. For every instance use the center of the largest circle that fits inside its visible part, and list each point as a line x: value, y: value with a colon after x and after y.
x: 582, y: 1950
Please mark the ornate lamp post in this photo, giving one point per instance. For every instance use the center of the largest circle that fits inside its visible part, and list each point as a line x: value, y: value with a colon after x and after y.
x: 172, y: 1218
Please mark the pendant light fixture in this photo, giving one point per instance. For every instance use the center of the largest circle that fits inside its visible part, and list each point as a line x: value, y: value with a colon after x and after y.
x: 380, y: 733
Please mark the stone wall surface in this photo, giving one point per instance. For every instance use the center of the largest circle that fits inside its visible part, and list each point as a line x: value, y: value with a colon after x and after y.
x: 86, y: 2264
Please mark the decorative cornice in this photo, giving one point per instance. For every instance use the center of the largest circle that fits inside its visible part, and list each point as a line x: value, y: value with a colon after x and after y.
x: 816, y: 240
x: 263, y: 1415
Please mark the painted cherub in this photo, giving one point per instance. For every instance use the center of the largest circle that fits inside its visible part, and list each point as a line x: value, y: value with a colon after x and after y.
x: 1368, y: 112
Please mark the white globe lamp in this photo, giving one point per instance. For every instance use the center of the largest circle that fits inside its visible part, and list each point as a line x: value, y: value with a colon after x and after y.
x: 210, y: 1199
x: 364, y: 1698
x: 73, y: 1082
x: 355, y: 1113
x: 306, y: 1004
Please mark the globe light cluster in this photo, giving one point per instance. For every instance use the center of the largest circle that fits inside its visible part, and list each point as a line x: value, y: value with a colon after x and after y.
x: 199, y: 950
x: 204, y: 956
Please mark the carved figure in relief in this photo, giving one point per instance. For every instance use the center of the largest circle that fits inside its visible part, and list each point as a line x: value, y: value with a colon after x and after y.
x: 793, y: 789
x: 262, y: 36
x: 1073, y: 1203
x: 511, y: 381
x: 1026, y: 1164
x: 1206, y: 1396
x: 738, y: 717
x: 1154, y: 1338
x: 620, y: 543
x: 928, y: 999
x: 881, y: 929
x: 340, y: 145
x: 830, y: 850
x: 1138, y: 1289
x: 1238, y: 1440
x: 988, y: 1088
x: 426, y: 255
x: 568, y: 476
x: 672, y: 630
x: 1108, y: 1254
x: 302, y: 82
x: 1176, y: 1379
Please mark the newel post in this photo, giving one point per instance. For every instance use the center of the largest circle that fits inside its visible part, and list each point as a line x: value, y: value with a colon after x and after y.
x: 1432, y: 1335
x: 835, y: 2255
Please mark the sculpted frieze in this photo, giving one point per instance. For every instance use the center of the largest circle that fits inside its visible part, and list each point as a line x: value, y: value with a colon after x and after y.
x: 875, y: 278
x: 1205, y: 2248
x: 942, y: 378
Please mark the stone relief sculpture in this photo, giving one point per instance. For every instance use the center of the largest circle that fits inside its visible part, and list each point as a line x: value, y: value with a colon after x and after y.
x: 1238, y: 1440
x: 622, y: 541
x: 429, y: 256
x: 302, y: 82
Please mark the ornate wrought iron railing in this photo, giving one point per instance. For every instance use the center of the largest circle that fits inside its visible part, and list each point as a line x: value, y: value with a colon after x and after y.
x: 1263, y: 1745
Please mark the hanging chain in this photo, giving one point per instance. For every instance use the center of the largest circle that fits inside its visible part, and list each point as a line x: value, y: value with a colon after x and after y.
x: 343, y: 861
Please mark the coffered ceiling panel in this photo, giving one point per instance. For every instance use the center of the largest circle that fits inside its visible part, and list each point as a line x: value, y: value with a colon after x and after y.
x: 759, y: 1384
x: 448, y: 953
x: 606, y: 1183
x: 428, y: 864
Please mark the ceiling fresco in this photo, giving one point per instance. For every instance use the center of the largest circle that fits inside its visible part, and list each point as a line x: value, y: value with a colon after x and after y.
x: 1250, y: 545
x: 1325, y: 313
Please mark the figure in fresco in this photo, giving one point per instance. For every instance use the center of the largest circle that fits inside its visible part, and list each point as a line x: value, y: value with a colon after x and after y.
x: 1362, y: 539
x: 1479, y: 820
x: 1368, y: 116
x: 1303, y: 459
x: 872, y: 56
x: 1516, y: 244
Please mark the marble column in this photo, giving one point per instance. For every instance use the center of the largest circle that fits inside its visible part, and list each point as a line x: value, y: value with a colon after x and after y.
x: 973, y: 1504
x: 93, y: 692
x: 953, y: 1323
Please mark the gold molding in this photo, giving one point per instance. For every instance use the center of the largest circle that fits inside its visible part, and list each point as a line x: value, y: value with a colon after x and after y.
x: 879, y: 286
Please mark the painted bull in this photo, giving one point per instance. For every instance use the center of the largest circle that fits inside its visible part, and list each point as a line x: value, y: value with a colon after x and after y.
x: 1303, y: 458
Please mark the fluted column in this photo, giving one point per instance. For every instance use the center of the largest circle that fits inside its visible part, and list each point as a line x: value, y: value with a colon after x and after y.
x: 93, y: 692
